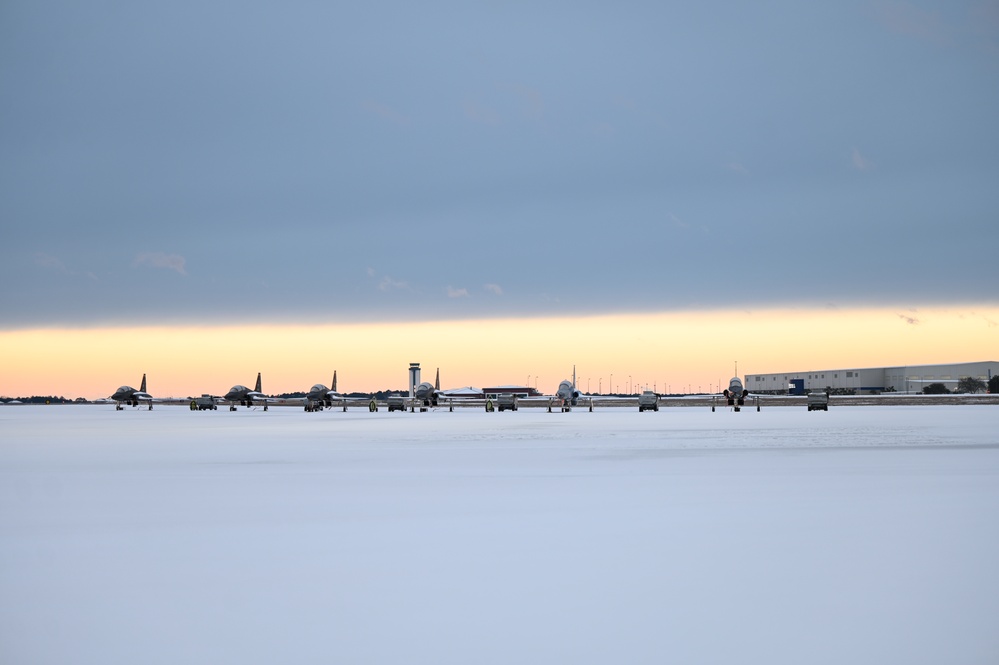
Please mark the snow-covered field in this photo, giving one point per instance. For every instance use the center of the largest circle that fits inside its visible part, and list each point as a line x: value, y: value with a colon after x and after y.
x: 861, y: 535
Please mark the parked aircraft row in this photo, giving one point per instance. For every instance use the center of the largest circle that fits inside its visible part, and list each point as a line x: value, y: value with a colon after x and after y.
x: 320, y: 397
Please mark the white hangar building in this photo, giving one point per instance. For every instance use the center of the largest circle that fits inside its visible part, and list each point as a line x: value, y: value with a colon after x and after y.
x: 907, y: 378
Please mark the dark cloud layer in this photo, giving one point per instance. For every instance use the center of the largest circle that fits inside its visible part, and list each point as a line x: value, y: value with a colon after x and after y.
x: 256, y: 161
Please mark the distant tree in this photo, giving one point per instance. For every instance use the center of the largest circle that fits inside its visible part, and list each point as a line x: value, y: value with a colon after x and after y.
x: 994, y: 384
x: 44, y: 399
x: 969, y: 384
x: 935, y: 389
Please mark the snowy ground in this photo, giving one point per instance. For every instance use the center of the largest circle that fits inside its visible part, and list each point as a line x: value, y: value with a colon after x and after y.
x: 861, y: 535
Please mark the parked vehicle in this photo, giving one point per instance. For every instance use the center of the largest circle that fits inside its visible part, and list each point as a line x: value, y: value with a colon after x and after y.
x: 818, y: 401
x: 648, y: 401
x: 204, y: 403
x: 506, y: 402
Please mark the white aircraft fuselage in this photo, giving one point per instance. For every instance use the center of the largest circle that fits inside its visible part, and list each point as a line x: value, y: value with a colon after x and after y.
x: 735, y: 393
x: 567, y: 392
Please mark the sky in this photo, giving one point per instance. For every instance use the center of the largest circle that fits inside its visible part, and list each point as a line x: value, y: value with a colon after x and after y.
x: 262, y: 171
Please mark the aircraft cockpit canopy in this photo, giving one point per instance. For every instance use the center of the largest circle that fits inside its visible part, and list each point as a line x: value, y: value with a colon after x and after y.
x: 239, y: 389
x: 318, y: 388
x: 126, y: 389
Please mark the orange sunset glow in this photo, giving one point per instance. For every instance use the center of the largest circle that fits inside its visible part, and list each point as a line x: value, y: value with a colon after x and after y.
x: 673, y: 352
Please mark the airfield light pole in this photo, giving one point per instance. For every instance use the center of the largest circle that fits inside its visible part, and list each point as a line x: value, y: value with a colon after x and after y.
x: 611, y: 384
x: 528, y: 380
x: 629, y: 384
x: 600, y: 385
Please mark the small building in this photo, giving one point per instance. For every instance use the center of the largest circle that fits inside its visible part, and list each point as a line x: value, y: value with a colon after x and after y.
x: 468, y: 392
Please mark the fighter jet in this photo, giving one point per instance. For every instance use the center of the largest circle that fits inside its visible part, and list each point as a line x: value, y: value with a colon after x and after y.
x: 568, y: 395
x: 243, y: 396
x: 429, y: 395
x: 320, y: 397
x: 129, y: 395
x: 735, y: 393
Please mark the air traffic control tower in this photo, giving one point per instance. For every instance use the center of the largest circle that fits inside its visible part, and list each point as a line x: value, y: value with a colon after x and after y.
x: 414, y: 378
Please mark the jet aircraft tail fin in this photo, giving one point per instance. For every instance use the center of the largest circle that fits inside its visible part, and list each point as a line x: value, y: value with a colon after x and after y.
x: 142, y: 388
x: 437, y: 381
x: 333, y: 387
x: 257, y: 388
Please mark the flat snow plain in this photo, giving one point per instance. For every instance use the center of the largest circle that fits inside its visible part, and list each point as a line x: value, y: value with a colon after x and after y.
x: 861, y: 535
